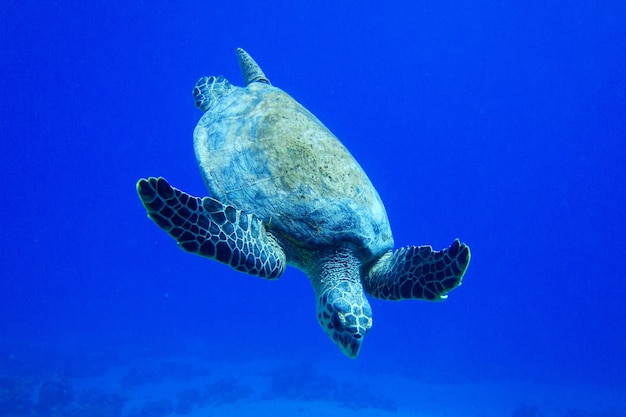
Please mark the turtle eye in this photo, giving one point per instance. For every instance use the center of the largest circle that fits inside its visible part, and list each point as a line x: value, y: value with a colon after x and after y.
x: 337, y: 321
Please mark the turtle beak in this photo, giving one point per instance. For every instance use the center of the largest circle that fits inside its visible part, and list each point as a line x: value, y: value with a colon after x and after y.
x: 349, y: 344
x: 354, y: 348
x: 348, y: 336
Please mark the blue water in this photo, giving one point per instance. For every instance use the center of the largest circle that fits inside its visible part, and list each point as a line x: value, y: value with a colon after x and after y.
x: 499, y: 123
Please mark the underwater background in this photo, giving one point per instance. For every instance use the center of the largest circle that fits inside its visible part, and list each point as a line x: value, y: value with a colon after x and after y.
x: 500, y: 123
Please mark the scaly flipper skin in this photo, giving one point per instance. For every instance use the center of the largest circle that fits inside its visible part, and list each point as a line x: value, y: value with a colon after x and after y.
x: 250, y: 70
x: 209, y: 90
x: 418, y: 272
x: 212, y: 229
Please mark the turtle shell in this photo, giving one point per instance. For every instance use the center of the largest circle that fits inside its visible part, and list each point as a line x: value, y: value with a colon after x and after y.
x: 261, y: 151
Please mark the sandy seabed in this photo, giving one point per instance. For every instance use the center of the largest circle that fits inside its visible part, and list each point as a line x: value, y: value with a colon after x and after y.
x: 160, y: 386
x: 188, y: 386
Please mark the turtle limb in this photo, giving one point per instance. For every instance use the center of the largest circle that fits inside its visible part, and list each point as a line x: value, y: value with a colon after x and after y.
x: 208, y: 91
x: 418, y: 272
x: 209, y: 228
x: 250, y: 70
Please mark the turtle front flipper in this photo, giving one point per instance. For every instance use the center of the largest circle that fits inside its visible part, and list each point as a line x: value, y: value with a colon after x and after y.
x: 212, y: 229
x: 418, y: 272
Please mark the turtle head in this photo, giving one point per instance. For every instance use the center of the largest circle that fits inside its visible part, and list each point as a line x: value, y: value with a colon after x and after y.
x: 342, y: 309
x: 346, y: 316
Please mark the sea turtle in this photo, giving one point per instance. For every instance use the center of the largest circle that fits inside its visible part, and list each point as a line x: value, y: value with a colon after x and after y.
x: 285, y: 191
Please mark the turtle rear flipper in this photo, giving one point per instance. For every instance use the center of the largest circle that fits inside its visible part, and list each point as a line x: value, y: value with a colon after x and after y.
x: 209, y: 228
x: 208, y: 91
x: 250, y: 70
x: 418, y: 272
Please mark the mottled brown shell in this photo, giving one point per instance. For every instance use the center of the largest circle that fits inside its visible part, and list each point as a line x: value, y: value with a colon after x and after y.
x: 261, y: 151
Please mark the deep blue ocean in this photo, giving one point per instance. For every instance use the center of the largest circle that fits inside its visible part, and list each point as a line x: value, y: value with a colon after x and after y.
x: 500, y: 123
